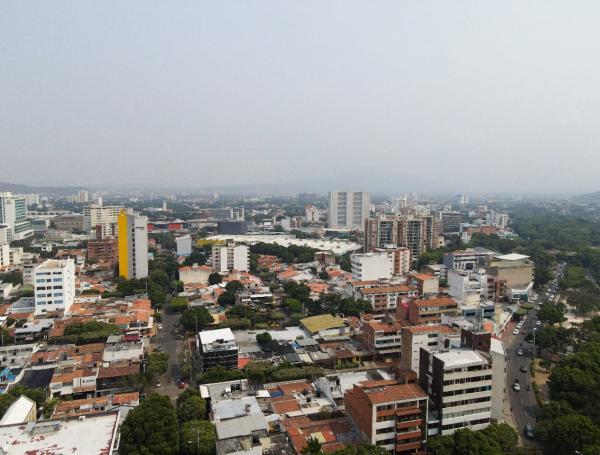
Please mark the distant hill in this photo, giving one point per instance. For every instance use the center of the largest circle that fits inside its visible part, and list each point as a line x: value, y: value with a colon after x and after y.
x: 590, y: 198
x: 49, y: 190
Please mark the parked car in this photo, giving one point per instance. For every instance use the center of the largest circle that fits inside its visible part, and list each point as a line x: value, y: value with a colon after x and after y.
x: 516, y: 386
x: 519, y: 351
x: 523, y: 369
x: 182, y: 385
x: 516, y: 332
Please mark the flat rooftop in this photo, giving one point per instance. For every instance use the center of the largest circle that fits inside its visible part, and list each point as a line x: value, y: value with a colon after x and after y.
x: 92, y: 435
x: 457, y: 358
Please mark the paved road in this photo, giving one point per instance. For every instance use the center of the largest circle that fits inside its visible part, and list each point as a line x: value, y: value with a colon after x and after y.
x: 169, y: 344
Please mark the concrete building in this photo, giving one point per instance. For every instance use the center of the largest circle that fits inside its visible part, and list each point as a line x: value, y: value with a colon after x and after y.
x: 54, y: 286
x: 83, y: 196
x: 70, y: 222
x: 348, y: 209
x: 386, y: 297
x: 451, y: 222
x: 371, y: 266
x: 195, y: 274
x: 401, y: 258
x: 497, y: 219
x: 513, y: 274
x: 13, y: 213
x: 459, y: 385
x: 383, y: 338
x: 97, y: 214
x: 469, y: 288
x: 226, y: 258
x: 312, y: 214
x: 471, y: 259
x: 184, y: 245
x: 217, y: 348
x: 389, y: 414
x: 419, y: 233
x: 429, y: 311
x: 232, y: 227
x: 133, y: 244
x: 431, y: 337
x: 4, y: 255
x: 104, y: 251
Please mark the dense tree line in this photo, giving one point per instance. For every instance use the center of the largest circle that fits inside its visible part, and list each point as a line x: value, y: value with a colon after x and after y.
x: 290, y: 254
x: 497, y: 439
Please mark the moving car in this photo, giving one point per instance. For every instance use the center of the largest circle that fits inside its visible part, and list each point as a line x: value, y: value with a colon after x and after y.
x: 523, y: 369
x: 529, y: 432
x: 538, y: 322
x: 516, y: 332
x: 516, y: 386
x: 519, y: 351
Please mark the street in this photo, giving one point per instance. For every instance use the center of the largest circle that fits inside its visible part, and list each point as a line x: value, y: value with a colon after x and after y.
x: 168, y: 343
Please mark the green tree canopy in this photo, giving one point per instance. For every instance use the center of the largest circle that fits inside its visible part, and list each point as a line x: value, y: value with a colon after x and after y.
x: 215, y: 278
x: 198, y: 438
x: 234, y: 286
x: 151, y: 428
x: 195, y: 317
x: 192, y: 408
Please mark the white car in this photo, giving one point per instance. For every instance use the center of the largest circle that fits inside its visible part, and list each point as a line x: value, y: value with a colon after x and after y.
x: 516, y: 332
x: 516, y: 387
x: 538, y: 322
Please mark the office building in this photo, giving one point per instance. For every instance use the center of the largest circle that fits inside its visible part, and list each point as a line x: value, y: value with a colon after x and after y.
x: 70, y: 222
x: 431, y: 337
x: 348, y: 209
x: 419, y: 233
x: 226, y: 258
x: 497, y: 219
x: 184, y: 245
x: 54, y: 286
x: 217, y: 348
x: 371, y: 266
x: 513, y: 274
x: 429, y: 311
x: 459, y: 385
x: 30, y: 198
x: 83, y: 196
x: 451, y: 222
x: 13, y: 213
x: 389, y: 414
x: 97, y: 214
x: 133, y: 244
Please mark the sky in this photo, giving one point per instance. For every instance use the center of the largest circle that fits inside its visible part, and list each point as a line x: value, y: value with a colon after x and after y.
x: 457, y: 96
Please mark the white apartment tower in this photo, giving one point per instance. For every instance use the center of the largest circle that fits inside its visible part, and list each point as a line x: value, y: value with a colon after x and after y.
x: 99, y: 215
x: 349, y: 209
x: 226, y: 258
x: 184, y: 245
x: 372, y: 266
x: 54, y: 283
x: 13, y: 213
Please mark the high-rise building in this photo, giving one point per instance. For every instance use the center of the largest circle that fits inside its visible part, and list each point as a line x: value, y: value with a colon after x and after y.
x: 226, y: 258
x: 54, y: 283
x: 133, y: 244
x: 83, y: 196
x: 97, y: 214
x: 13, y: 213
x: 184, y: 245
x: 419, y: 233
x: 389, y: 414
x: 348, y: 209
x: 311, y: 214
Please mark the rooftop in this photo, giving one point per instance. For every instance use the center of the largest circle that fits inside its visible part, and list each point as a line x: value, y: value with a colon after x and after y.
x: 386, y: 391
x: 457, y: 358
x: 18, y: 411
x: 512, y: 257
x: 322, y: 322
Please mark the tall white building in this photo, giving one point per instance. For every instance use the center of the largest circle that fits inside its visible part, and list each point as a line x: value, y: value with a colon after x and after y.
x: 54, y: 283
x: 99, y: 215
x: 133, y: 244
x: 348, y: 209
x: 13, y: 213
x: 372, y: 266
x: 83, y: 196
x: 226, y: 258
x: 184, y: 245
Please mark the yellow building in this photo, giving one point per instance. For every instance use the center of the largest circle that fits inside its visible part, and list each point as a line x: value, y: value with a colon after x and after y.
x: 133, y: 244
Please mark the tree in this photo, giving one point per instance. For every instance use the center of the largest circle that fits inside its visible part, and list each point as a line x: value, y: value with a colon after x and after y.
x: 264, y: 337
x: 313, y: 446
x: 361, y: 449
x: 198, y: 438
x: 294, y: 305
x: 568, y: 434
x: 552, y: 313
x: 156, y: 365
x: 503, y: 434
x: 192, y: 408
x: 234, y: 287
x: 178, y: 304
x: 195, y: 318
x: 467, y: 442
x: 215, y: 278
x: 442, y: 445
x: 226, y: 299
x: 6, y: 400
x: 35, y: 394
x: 150, y: 428
x: 219, y: 374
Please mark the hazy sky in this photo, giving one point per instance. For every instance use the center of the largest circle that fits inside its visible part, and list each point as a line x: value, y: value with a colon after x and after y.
x: 407, y: 95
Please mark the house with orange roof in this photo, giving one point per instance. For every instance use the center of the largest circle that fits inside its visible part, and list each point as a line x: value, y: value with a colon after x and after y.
x: 383, y: 338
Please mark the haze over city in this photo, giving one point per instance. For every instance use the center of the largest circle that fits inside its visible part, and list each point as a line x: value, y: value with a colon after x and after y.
x: 385, y: 96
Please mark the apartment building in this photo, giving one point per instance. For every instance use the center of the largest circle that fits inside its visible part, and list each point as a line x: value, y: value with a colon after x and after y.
x: 13, y: 214
x: 430, y: 311
x: 104, y: 251
x: 401, y: 258
x: 459, y: 385
x: 389, y: 414
x: 431, y: 337
x: 72, y: 222
x: 348, y: 209
x: 470, y: 259
x: 229, y: 257
x: 451, y: 222
x: 184, y: 245
x: 54, y: 286
x: 133, y: 244
x: 387, y: 297
x: 371, y: 266
x: 419, y: 233
x: 383, y: 338
x: 468, y: 287
x: 98, y: 214
x: 217, y: 348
